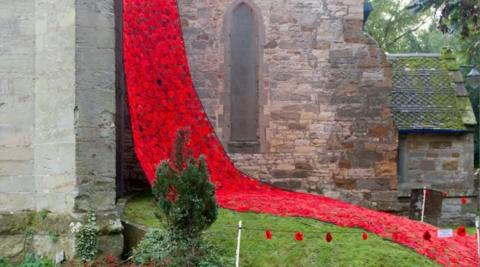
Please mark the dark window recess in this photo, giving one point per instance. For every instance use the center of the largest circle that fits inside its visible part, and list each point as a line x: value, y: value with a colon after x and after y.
x: 244, y: 78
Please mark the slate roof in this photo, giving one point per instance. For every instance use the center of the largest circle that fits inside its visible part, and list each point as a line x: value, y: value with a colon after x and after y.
x: 429, y: 94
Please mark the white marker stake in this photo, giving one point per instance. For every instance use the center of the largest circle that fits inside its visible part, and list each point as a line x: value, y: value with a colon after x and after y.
x: 424, y: 200
x: 444, y: 233
x: 477, y: 226
x: 237, y: 261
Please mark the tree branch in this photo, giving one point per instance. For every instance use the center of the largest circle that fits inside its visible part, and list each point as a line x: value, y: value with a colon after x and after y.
x: 407, y: 32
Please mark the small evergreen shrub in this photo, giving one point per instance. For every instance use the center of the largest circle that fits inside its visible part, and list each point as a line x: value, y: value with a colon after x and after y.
x: 183, y: 191
x: 187, y: 206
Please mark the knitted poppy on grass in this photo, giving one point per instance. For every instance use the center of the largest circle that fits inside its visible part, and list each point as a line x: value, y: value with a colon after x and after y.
x: 299, y: 236
x: 268, y: 234
x: 461, y: 231
x: 329, y: 237
x: 365, y: 236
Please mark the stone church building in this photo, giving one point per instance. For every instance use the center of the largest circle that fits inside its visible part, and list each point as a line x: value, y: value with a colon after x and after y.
x: 297, y: 93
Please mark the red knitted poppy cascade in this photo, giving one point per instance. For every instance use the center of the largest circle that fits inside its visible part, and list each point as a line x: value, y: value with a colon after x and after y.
x: 162, y: 100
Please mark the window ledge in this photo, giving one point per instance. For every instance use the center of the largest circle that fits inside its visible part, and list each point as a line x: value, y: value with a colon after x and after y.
x: 243, y: 147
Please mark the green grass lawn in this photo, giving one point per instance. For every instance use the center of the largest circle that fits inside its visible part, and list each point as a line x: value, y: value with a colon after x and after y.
x: 347, y: 248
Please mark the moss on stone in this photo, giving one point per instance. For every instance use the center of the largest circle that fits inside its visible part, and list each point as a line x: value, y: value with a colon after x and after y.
x: 424, y: 95
x: 468, y: 116
x: 12, y: 224
x: 47, y: 222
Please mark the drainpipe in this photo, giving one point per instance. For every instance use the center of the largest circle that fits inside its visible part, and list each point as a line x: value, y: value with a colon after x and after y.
x: 473, y: 81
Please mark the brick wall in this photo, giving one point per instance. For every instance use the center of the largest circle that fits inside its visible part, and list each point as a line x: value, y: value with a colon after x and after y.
x: 323, y: 99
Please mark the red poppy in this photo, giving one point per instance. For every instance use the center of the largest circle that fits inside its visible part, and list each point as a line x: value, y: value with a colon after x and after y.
x: 299, y: 236
x: 268, y: 234
x: 427, y: 236
x: 172, y: 195
x: 461, y: 231
x: 329, y: 237
x: 365, y: 236
x: 464, y: 200
x: 395, y: 236
x: 111, y: 260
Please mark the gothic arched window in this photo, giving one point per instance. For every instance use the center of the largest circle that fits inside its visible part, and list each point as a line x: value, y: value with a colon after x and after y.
x: 243, y: 56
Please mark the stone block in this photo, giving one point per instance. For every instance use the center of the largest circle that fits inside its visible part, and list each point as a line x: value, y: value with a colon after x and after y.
x: 282, y: 116
x: 451, y: 165
x: 379, y: 131
x: 55, y: 159
x: 440, y: 144
x: 16, y: 153
x: 345, y: 183
x: 12, y: 202
x: 14, y: 168
x: 386, y: 169
x: 294, y: 184
x: 12, y: 246
x: 373, y: 184
x: 303, y: 166
x: 427, y: 165
x: 385, y: 196
x: 345, y: 164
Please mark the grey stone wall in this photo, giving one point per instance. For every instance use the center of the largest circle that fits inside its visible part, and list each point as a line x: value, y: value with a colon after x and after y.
x: 54, y: 151
x: 325, y: 125
x: 439, y: 161
x: 445, y: 163
x: 57, y: 125
x: 95, y: 104
x: 17, y: 104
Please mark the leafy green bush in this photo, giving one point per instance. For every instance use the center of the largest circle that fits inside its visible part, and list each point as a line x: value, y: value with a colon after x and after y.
x: 186, y: 201
x: 30, y: 260
x: 86, y: 239
x: 163, y: 248
x: 4, y: 262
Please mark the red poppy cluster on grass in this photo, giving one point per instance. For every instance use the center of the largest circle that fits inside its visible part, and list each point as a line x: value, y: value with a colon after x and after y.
x: 162, y: 100
x: 299, y: 236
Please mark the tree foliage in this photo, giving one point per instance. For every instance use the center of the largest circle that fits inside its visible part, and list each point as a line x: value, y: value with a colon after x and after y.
x: 391, y: 26
x: 398, y: 30
x: 458, y: 18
